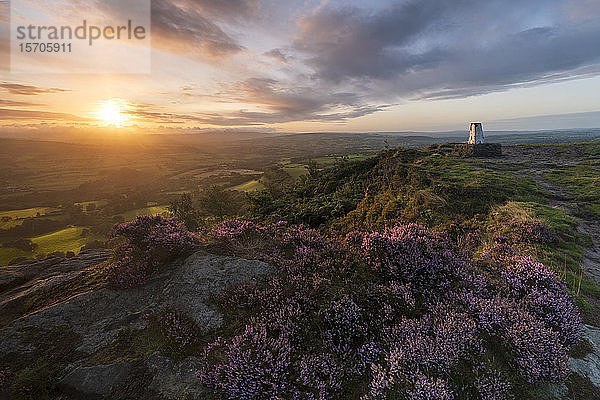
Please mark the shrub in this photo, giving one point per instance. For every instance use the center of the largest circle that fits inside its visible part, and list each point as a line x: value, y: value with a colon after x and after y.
x: 176, y: 327
x: 533, y: 232
x: 395, y: 314
x: 150, y: 241
x: 541, y: 293
x: 492, y: 385
x: 412, y: 254
x: 255, y: 366
x: 537, y: 352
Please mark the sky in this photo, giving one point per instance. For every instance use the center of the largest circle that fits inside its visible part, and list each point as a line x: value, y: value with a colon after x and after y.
x: 348, y: 66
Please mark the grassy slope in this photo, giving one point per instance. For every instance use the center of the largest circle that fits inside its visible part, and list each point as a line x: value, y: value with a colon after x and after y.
x: 65, y: 240
x: 130, y: 215
x: 440, y: 191
x: 250, y: 186
x: 17, y: 216
x: 581, y: 180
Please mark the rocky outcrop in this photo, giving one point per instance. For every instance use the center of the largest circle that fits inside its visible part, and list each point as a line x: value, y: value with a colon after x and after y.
x: 478, y: 150
x: 35, y: 281
x: 95, y: 381
x: 97, y: 316
x: 174, y: 379
x: 589, y: 365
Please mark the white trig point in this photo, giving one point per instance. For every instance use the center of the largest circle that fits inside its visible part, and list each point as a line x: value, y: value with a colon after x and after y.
x: 476, y: 133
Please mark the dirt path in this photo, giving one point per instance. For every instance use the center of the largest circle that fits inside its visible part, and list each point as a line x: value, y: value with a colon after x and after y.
x: 534, y: 161
x: 587, y: 225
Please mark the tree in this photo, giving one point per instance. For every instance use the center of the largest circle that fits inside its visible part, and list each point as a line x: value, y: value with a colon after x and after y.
x: 275, y: 180
x: 183, y: 208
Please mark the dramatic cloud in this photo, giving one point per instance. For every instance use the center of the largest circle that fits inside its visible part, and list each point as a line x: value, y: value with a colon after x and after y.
x: 193, y: 28
x: 284, y: 102
x: 12, y: 103
x: 28, y: 90
x: 276, y: 55
x: 331, y: 61
x: 273, y: 101
x: 227, y: 9
x: 441, y: 48
x: 354, y: 43
x: 10, y: 114
x: 185, y: 28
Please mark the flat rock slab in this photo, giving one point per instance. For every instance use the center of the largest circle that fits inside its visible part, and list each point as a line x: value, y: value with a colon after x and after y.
x: 40, y: 279
x: 175, y: 380
x: 589, y: 366
x: 96, y: 381
x: 98, y: 316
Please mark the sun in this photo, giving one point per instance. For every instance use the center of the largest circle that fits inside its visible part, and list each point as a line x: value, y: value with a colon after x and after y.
x: 114, y: 112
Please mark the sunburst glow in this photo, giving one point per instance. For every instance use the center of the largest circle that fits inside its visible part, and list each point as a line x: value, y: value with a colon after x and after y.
x: 114, y: 112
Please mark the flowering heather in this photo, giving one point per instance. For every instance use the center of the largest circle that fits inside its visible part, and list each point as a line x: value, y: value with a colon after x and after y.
x: 412, y: 254
x: 177, y: 328
x: 344, y: 323
x: 233, y: 231
x: 499, y: 251
x: 150, y: 241
x: 157, y: 235
x: 398, y: 314
x: 491, y: 385
x: 426, y: 388
x: 256, y: 366
x: 322, y: 376
x: 435, y: 343
x: 533, y: 232
x: 541, y: 293
x: 275, y: 243
x: 537, y: 351
x: 131, y: 268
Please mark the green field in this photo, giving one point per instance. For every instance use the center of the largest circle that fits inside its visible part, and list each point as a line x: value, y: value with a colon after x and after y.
x: 296, y: 172
x: 10, y: 219
x: 65, y: 240
x: 130, y: 215
x: 97, y: 203
x: 26, y: 213
x: 6, y: 255
x: 250, y: 186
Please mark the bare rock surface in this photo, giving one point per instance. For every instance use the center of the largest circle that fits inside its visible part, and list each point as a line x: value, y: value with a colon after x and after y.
x: 97, y: 316
x: 95, y: 381
x: 175, y: 380
x: 34, y: 279
x: 589, y: 366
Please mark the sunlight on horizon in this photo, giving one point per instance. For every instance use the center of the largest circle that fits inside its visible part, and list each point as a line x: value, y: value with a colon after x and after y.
x: 114, y: 112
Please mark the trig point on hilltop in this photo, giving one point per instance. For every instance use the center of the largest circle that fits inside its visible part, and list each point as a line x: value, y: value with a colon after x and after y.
x: 476, y: 146
x: 476, y: 133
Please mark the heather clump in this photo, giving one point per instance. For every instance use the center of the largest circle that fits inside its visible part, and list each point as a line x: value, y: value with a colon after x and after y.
x: 537, y: 351
x: 149, y: 241
x: 176, y: 327
x: 396, y: 314
x: 539, y: 291
x: 258, y: 365
x: 491, y: 384
x: 412, y: 254
x: 532, y: 232
x: 279, y: 243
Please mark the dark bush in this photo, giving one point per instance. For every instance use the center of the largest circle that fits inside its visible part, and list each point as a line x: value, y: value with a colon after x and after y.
x: 150, y: 241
